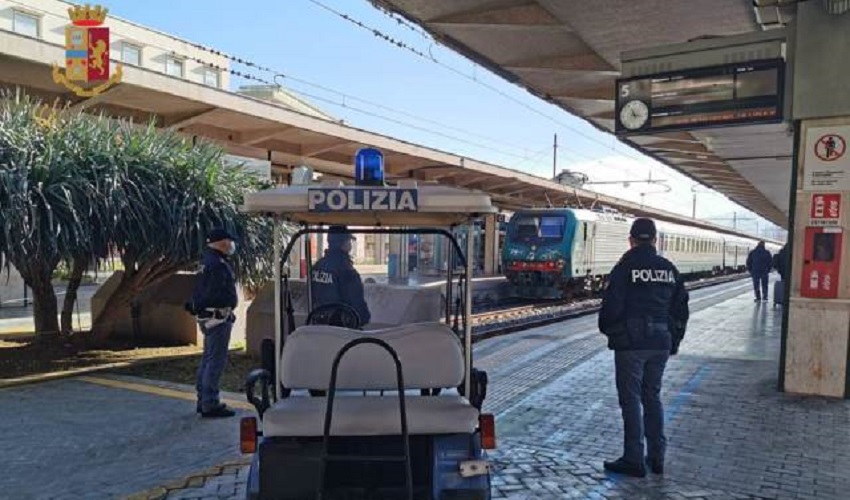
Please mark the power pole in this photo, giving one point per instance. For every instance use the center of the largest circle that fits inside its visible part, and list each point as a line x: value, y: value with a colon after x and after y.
x: 694, y: 208
x: 555, y: 158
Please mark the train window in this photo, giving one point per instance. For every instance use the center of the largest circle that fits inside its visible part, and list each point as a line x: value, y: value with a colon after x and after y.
x: 551, y: 227
x: 530, y: 226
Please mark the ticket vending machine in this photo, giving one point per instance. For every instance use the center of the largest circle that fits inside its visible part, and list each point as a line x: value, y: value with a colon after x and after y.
x: 821, y: 262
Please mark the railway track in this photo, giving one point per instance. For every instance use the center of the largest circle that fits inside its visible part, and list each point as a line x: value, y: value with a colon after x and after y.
x: 494, y: 323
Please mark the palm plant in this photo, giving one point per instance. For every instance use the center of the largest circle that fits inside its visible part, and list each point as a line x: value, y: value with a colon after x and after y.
x: 76, y: 188
x: 38, y: 214
x: 172, y: 193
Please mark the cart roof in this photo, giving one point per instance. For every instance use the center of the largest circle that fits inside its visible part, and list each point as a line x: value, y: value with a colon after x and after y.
x: 408, y: 204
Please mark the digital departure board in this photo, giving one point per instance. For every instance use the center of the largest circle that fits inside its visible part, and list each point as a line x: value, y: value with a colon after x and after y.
x: 732, y: 94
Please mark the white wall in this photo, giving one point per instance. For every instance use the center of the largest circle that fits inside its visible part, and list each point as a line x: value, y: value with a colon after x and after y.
x: 53, y: 18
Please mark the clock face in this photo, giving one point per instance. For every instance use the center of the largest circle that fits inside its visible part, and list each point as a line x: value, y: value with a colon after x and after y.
x: 634, y: 115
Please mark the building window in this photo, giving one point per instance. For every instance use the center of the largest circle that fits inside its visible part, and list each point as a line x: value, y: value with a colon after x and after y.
x: 131, y: 54
x: 174, y: 67
x: 25, y: 23
x: 211, y: 77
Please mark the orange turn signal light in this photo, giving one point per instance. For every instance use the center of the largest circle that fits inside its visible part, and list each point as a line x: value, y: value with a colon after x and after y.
x: 248, y: 435
x: 487, y: 425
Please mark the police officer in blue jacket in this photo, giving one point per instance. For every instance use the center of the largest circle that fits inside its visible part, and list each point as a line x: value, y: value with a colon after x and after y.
x: 644, y: 314
x: 213, y: 301
x: 334, y: 279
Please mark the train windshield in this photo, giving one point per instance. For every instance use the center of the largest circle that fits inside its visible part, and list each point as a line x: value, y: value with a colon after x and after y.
x: 539, y: 227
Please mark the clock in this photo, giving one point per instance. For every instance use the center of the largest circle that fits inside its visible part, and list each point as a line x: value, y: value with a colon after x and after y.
x: 634, y: 114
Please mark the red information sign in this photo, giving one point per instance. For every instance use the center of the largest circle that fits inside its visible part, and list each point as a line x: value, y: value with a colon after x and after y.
x: 826, y: 209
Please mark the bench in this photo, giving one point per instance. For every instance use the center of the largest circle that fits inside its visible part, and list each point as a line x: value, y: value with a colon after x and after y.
x: 431, y: 357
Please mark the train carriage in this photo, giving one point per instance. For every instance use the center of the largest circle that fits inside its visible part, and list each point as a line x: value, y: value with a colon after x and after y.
x: 558, y: 252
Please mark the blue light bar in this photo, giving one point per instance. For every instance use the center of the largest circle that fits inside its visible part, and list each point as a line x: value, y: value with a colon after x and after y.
x: 369, y: 167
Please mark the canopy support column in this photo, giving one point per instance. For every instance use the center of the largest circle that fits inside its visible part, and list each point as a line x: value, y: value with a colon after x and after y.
x: 278, y: 302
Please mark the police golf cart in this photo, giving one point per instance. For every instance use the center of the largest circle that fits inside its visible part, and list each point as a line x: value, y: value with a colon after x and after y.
x: 345, y: 410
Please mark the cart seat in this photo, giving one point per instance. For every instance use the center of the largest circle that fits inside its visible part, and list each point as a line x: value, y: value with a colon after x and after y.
x: 430, y: 355
x: 300, y: 416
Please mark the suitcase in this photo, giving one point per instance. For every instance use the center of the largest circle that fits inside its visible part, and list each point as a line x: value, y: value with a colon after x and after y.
x: 778, y: 292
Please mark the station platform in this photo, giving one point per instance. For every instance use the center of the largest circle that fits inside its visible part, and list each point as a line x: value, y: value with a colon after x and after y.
x: 731, y: 434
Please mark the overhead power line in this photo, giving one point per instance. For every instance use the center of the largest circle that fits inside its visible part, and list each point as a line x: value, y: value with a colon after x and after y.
x: 430, y: 57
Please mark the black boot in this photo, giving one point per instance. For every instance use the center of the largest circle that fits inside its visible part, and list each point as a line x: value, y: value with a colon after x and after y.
x: 220, y: 411
x: 656, y: 465
x: 620, y: 466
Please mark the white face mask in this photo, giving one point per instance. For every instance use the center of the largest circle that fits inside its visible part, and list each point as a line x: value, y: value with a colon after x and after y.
x: 231, y: 248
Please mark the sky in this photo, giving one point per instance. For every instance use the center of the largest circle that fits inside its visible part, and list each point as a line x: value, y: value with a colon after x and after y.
x: 452, y: 104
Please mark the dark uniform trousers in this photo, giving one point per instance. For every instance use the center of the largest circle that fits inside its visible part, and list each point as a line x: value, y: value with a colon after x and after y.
x: 644, y: 311
x: 638, y: 377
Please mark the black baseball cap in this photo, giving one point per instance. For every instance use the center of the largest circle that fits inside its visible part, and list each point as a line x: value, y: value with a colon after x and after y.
x: 219, y: 234
x: 643, y: 229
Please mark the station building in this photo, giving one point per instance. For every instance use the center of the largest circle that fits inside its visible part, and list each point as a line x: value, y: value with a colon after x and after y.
x: 184, y: 86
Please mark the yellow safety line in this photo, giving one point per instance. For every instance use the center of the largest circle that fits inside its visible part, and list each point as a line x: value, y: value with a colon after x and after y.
x: 156, y: 390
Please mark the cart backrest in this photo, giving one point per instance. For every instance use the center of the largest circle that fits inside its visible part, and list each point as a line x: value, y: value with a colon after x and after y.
x: 430, y: 354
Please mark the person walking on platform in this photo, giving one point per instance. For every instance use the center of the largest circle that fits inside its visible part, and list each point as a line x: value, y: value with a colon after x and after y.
x: 780, y: 262
x: 644, y: 314
x: 213, y: 300
x: 759, y: 263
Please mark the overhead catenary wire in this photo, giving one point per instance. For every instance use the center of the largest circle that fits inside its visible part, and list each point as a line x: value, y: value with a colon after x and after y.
x: 430, y: 57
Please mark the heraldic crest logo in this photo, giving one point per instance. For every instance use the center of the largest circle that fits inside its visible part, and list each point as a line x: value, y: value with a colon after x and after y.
x: 87, y: 53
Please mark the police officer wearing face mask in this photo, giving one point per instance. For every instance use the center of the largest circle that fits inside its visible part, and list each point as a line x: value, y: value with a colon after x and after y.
x: 644, y: 314
x: 334, y: 279
x: 213, y: 301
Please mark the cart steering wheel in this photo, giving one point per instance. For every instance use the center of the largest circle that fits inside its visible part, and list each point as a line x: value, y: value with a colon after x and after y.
x: 335, y: 314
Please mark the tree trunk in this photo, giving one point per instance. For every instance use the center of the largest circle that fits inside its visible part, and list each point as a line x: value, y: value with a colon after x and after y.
x: 132, y: 284
x: 45, y: 308
x: 78, y: 267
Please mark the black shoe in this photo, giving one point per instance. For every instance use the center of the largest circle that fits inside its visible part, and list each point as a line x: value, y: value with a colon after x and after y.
x: 198, y: 407
x: 620, y: 466
x: 221, y: 411
x: 656, y: 465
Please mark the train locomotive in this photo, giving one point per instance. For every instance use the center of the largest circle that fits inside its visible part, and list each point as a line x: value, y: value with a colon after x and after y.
x: 558, y: 253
